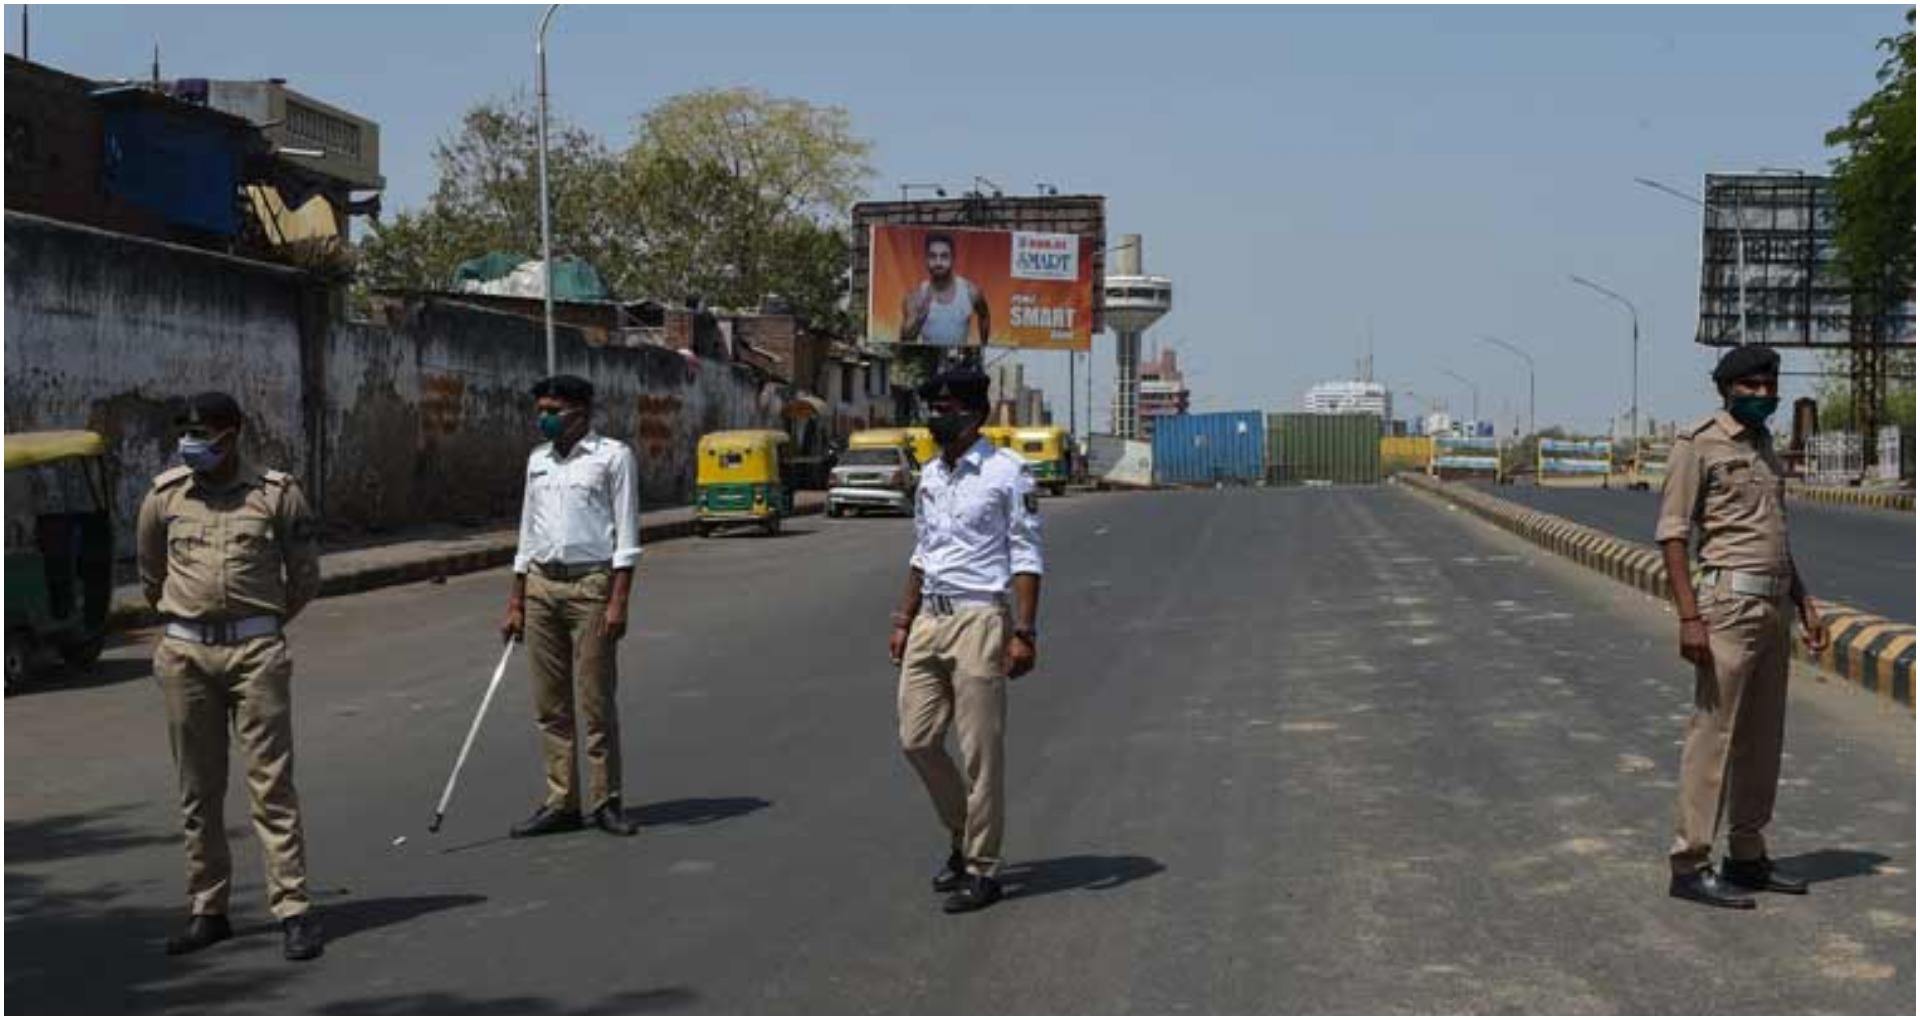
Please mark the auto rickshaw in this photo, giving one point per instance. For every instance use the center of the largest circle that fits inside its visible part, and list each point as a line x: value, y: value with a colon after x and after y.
x: 884, y: 439
x: 924, y: 448
x: 1044, y: 448
x: 59, y: 554
x: 999, y: 435
x: 744, y: 477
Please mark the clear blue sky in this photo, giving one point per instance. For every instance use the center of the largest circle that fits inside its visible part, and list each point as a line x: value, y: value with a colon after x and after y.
x: 1298, y: 172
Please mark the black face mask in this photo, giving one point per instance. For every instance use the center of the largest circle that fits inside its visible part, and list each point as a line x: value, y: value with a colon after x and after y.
x: 948, y: 428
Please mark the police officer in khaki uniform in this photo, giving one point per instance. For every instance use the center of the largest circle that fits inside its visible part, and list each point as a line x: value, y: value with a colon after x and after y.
x: 965, y: 628
x: 1725, y: 484
x: 229, y: 553
x: 573, y: 575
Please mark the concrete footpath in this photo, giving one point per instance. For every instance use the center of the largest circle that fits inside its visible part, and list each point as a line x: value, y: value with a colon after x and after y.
x: 350, y: 571
x: 1866, y: 650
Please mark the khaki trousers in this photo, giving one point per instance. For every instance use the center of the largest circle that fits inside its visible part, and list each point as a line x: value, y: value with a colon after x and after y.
x: 954, y: 673
x: 1730, y: 763
x: 570, y: 658
x: 245, y: 688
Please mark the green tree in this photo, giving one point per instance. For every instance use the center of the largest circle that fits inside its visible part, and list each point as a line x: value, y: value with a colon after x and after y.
x: 1873, y: 178
x: 739, y: 194
x: 1873, y: 181
x: 488, y: 199
x: 729, y: 195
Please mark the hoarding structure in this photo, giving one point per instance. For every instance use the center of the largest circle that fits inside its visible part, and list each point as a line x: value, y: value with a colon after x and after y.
x: 1082, y: 216
x: 969, y: 287
x: 1767, y: 246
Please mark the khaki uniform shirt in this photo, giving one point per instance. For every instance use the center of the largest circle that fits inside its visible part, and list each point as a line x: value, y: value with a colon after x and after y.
x: 1723, y: 478
x: 218, y: 553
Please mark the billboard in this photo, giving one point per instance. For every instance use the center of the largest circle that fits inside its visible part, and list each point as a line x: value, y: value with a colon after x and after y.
x: 1081, y: 216
x: 1775, y: 234
x: 967, y: 287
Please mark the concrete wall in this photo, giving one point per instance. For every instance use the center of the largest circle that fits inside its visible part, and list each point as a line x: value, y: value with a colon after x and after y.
x: 106, y: 332
x: 421, y: 417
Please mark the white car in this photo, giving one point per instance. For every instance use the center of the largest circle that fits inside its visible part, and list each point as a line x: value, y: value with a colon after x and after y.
x: 873, y: 479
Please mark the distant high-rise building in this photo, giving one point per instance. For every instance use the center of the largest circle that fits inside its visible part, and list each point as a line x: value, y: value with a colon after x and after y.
x: 1163, y: 391
x: 1348, y: 396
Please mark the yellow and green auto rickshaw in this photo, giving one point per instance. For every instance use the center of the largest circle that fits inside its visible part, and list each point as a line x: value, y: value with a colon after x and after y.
x: 59, y: 554
x: 743, y: 478
x: 1044, y: 448
x: 999, y: 435
x: 924, y: 448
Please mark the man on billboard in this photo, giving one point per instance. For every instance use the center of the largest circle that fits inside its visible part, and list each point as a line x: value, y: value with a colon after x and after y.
x: 939, y: 311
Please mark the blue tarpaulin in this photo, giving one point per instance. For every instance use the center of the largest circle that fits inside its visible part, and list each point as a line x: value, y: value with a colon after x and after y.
x: 184, y: 169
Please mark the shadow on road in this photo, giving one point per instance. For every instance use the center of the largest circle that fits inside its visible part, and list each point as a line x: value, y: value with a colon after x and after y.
x: 696, y: 811
x: 343, y: 920
x: 1091, y: 872
x: 653, y: 1000
x: 64, y: 837
x: 103, y: 673
x: 1830, y: 865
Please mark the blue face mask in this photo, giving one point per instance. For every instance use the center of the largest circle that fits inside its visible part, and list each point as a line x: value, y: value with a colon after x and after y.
x: 202, y: 455
x: 553, y: 425
x: 1753, y: 411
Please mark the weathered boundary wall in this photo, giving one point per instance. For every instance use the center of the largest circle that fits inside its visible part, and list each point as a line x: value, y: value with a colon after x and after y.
x: 422, y: 417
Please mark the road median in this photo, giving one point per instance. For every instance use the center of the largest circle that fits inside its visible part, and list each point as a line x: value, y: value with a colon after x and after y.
x: 1867, y: 651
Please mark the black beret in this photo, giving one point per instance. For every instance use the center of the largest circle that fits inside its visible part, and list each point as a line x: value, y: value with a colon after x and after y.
x: 969, y: 386
x: 565, y: 387
x: 1746, y: 360
x: 215, y: 409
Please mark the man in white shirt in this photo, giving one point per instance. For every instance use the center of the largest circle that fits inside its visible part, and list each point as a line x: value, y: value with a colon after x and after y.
x: 579, y: 543
x: 959, y: 636
x: 939, y: 311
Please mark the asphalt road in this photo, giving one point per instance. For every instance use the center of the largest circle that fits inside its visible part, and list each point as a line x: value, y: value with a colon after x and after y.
x: 1287, y: 751
x: 1859, y: 556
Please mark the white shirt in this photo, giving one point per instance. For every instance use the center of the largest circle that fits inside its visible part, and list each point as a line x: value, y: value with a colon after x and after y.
x: 947, y: 321
x: 581, y: 508
x: 977, y: 525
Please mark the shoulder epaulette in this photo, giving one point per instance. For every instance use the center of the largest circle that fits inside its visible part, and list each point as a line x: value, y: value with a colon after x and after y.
x: 171, y: 477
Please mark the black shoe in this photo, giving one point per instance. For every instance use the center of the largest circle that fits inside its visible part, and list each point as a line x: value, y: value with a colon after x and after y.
x: 303, y: 939
x: 613, y: 821
x: 951, y: 874
x: 1761, y: 876
x: 1704, y: 886
x: 547, y: 821
x: 978, y: 892
x: 202, y: 930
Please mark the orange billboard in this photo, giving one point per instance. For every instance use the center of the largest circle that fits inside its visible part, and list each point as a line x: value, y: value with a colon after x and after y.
x: 957, y: 287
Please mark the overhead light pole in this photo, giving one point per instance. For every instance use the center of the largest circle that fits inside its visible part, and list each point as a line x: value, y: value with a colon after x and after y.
x: 1635, y: 313
x: 1739, y: 239
x: 1528, y: 358
x: 1471, y: 386
x: 546, y: 226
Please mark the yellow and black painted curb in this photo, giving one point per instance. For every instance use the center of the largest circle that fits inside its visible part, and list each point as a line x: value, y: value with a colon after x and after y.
x: 1877, y: 499
x: 1866, y: 650
x: 434, y: 567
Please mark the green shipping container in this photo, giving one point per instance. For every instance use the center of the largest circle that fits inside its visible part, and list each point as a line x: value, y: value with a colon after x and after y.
x: 1336, y: 449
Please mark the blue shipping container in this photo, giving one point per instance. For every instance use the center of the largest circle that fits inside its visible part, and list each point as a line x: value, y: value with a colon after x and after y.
x: 1203, y: 449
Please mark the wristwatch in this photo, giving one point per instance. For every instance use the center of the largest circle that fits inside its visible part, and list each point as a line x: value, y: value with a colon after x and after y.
x: 1027, y: 634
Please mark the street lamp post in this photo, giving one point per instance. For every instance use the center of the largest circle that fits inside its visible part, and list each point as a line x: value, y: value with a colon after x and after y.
x: 546, y: 227
x: 1739, y: 239
x: 1635, y: 314
x: 1471, y: 387
x: 1528, y: 358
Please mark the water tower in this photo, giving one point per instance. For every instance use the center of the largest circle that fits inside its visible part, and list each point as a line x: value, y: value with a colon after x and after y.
x: 1134, y: 302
